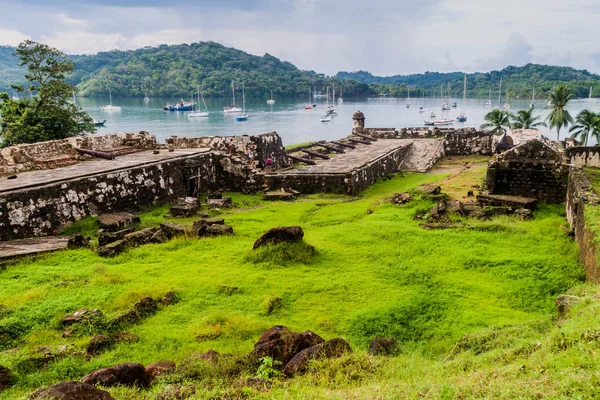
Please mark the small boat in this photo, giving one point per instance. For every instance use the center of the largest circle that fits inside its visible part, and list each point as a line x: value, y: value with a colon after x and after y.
x: 445, y: 107
x: 428, y: 123
x: 341, y: 99
x: 271, y: 101
x: 454, y: 104
x: 488, y: 102
x: 98, y: 122
x: 242, y: 116
x: 181, y: 106
x: 308, y: 105
x: 506, y: 105
x: 432, y: 115
x: 110, y: 107
x: 196, y: 114
x: 232, y: 109
x: 422, y: 109
x: 408, y: 99
x: 461, y: 118
x: 326, y: 118
x: 441, y: 122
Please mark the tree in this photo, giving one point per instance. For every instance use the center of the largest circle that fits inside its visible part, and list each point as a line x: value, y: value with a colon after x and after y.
x: 496, y: 121
x: 525, y: 120
x: 48, y: 115
x: 559, y: 117
x: 587, y: 124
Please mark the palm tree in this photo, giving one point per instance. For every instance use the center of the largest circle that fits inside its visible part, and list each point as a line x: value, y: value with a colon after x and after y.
x: 496, y: 121
x: 587, y: 124
x: 525, y: 120
x: 559, y: 117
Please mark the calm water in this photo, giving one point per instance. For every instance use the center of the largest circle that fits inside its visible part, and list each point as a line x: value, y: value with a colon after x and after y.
x: 291, y: 121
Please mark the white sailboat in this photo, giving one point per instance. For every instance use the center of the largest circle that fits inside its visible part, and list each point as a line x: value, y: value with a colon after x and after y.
x: 422, y: 108
x: 271, y: 101
x: 408, y: 98
x: 232, y: 109
x: 532, y: 105
x: 110, y: 107
x: 462, y: 117
x: 197, y: 114
x: 243, y: 116
x: 488, y: 102
x: 308, y: 105
x: 341, y: 98
x: 591, y: 87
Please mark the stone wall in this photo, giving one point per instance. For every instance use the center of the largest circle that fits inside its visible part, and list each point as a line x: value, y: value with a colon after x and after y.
x: 584, y: 156
x: 57, y: 153
x: 581, y: 195
x: 468, y: 141
x: 532, y: 169
x: 42, y: 210
x: 262, y: 146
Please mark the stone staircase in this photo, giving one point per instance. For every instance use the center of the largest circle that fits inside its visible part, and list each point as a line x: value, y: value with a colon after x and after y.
x: 424, y: 153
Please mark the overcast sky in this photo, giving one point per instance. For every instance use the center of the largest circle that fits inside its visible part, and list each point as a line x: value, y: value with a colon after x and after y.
x: 385, y: 37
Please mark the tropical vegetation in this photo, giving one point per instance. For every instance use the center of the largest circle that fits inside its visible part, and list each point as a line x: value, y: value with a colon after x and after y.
x: 497, y: 121
x: 47, y: 115
x: 176, y: 71
x: 524, y: 119
x: 559, y: 116
x: 586, y: 125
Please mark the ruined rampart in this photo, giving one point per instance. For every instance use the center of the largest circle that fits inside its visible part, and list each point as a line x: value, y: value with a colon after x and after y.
x: 584, y: 156
x: 581, y: 199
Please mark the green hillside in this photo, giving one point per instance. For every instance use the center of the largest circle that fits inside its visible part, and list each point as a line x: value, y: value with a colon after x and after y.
x: 10, y: 72
x: 519, y: 81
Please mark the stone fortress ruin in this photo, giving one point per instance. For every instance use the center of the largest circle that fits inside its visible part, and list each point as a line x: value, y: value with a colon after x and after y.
x: 45, y: 186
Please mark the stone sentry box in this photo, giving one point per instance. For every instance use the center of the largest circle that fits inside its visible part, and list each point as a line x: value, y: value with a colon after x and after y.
x: 532, y: 169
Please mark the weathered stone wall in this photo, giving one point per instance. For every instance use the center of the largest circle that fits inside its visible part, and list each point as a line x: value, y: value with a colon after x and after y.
x: 262, y: 146
x: 532, y: 169
x: 581, y: 195
x: 57, y: 153
x: 466, y: 142
x: 584, y: 156
x: 43, y: 210
x: 351, y: 183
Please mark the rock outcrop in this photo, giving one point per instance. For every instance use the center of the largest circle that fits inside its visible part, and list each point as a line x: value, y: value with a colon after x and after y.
x: 282, y: 234
x: 70, y: 390
x: 127, y: 374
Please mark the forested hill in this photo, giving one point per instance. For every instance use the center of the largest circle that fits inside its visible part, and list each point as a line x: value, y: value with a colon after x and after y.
x: 10, y: 72
x: 177, y: 70
x: 518, y: 81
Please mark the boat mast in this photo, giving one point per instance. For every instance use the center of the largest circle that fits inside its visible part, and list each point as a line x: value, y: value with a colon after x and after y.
x: 500, y: 94
x: 109, y: 96
x: 243, y: 99
x: 465, y: 92
x: 233, y: 92
x: 591, y: 92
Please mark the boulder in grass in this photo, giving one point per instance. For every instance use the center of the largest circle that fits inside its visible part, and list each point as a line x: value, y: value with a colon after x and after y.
x: 99, y: 343
x: 81, y: 315
x: 382, y: 346
x: 70, y: 390
x: 282, y: 345
x: 140, y: 238
x: 112, y: 249
x: 173, y: 230
x: 117, y: 221
x: 281, y: 234
x: 330, y: 349
x: 127, y: 374
x: 219, y: 230
x: 106, y: 237
x: 78, y: 241
x: 160, y: 368
x: 5, y: 377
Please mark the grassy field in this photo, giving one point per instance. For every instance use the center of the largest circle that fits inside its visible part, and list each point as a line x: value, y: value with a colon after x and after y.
x: 375, y: 273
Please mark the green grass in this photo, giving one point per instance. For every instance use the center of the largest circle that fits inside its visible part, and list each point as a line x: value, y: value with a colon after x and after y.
x: 291, y: 147
x: 374, y: 272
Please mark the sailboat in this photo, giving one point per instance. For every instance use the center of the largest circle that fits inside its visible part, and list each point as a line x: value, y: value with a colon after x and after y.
x: 422, y: 108
x: 271, y: 101
x: 331, y: 108
x: 591, y: 87
x: 308, y: 106
x: 232, y: 109
x: 445, y: 105
x: 488, y: 102
x: 341, y: 98
x: 196, y: 114
x: 95, y: 122
x: 462, y: 117
x: 408, y: 98
x: 532, y: 105
x: 243, y: 116
x: 110, y: 107
x: 506, y: 105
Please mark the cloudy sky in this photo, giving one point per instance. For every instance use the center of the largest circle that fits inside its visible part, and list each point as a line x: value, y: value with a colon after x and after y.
x: 385, y: 37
